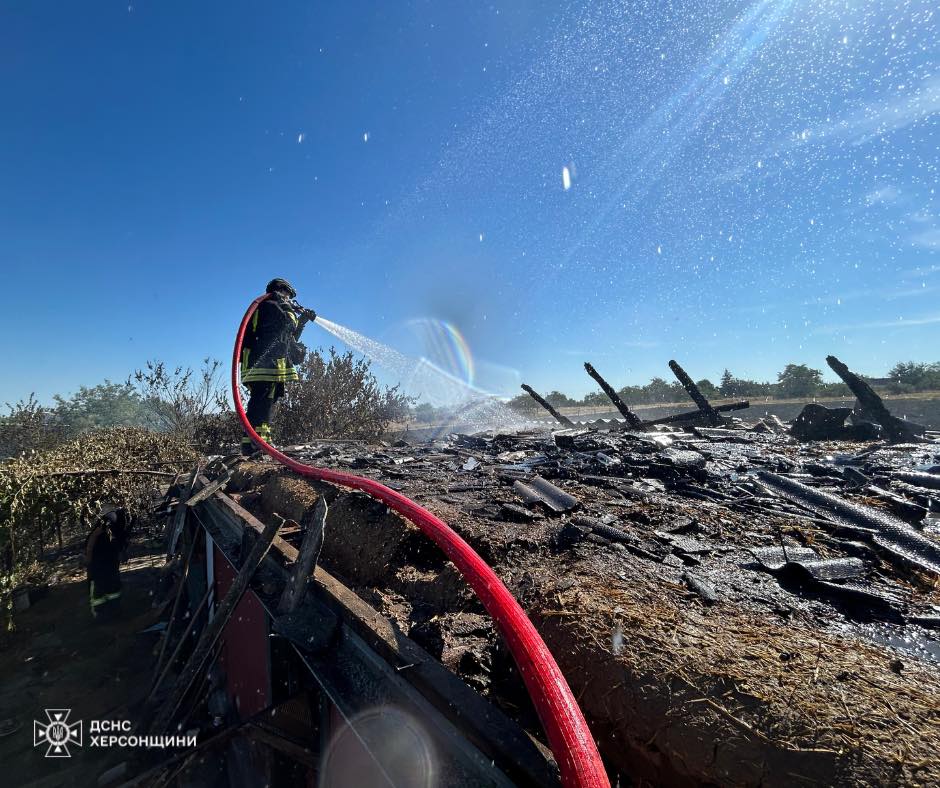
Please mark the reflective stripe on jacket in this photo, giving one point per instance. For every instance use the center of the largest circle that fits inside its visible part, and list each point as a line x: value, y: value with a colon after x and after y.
x: 97, y: 598
x: 269, y: 342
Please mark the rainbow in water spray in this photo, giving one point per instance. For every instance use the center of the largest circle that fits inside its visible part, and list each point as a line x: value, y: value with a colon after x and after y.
x: 472, y: 406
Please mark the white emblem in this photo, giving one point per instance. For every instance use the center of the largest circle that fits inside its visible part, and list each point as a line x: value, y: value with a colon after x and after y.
x: 58, y: 733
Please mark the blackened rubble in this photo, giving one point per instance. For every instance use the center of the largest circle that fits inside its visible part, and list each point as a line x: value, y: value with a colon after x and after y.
x: 527, y: 475
x: 796, y: 572
x: 870, y: 406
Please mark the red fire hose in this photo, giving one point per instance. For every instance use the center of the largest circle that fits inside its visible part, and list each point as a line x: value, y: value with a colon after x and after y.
x: 571, y: 741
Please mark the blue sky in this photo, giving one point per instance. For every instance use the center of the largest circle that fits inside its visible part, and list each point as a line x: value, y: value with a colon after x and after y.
x: 749, y: 184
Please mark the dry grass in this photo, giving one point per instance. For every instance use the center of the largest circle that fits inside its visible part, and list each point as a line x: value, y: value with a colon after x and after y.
x: 790, y: 687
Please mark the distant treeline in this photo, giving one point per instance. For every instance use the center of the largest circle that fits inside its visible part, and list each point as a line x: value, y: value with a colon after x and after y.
x: 795, y: 381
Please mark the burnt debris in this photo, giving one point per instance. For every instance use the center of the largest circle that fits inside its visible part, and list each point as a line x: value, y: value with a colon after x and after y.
x: 628, y: 541
x: 818, y: 423
x: 871, y: 407
x: 545, y: 404
x: 697, y: 397
x: 633, y: 420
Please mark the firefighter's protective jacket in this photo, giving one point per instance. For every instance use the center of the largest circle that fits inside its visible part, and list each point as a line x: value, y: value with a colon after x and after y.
x: 270, y: 348
x: 103, y: 549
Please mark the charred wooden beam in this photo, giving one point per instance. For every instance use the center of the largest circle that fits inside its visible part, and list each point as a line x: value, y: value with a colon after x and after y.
x: 697, y: 397
x: 176, y: 605
x: 309, y: 552
x: 179, y: 519
x: 208, y: 490
x: 632, y: 419
x: 199, y: 657
x: 369, y: 662
x: 184, y: 636
x: 694, y: 415
x: 537, y: 397
x: 896, y: 429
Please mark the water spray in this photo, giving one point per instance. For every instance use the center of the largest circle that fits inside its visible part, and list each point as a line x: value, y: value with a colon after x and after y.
x: 474, y: 407
x: 568, y: 734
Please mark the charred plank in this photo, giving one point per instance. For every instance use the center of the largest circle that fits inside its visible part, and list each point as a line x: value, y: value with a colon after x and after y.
x: 697, y: 415
x: 632, y: 419
x: 893, y: 536
x: 697, y: 397
x: 896, y: 429
x: 538, y: 398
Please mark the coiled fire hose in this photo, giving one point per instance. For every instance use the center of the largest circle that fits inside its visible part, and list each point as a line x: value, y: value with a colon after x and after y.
x: 571, y: 742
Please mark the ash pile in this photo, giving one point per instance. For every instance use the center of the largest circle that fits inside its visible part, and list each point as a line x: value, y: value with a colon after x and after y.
x: 730, y: 602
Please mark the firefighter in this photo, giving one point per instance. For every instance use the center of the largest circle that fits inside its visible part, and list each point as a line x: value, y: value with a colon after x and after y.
x: 269, y: 352
x: 104, y: 550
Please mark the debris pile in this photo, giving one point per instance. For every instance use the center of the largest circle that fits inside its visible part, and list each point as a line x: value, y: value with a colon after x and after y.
x: 726, y: 601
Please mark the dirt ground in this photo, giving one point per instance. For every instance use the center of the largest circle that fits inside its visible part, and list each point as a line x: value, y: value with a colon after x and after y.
x: 59, y: 658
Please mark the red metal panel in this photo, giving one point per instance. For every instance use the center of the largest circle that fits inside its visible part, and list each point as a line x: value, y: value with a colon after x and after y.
x: 244, y: 654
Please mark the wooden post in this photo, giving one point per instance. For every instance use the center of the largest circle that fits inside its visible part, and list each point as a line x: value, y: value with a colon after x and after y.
x: 179, y: 516
x: 697, y: 397
x: 176, y: 603
x: 894, y: 428
x: 307, y: 560
x: 214, y: 629
x: 537, y: 397
x: 632, y: 419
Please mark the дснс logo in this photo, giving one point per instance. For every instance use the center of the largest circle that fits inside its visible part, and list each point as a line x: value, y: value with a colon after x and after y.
x: 58, y: 733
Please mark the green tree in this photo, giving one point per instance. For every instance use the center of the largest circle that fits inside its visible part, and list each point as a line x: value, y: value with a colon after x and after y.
x: 558, y: 400
x: 753, y: 388
x: 425, y: 413
x: 523, y: 403
x: 908, y: 373
x: 595, y: 399
x: 180, y: 399
x: 708, y: 389
x: 105, y: 405
x: 28, y: 426
x: 632, y: 395
x: 726, y: 387
x: 913, y: 376
x: 798, y: 380
x: 658, y: 390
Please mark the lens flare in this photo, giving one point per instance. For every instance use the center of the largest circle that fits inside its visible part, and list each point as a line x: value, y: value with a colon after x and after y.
x: 445, y: 347
x: 380, y: 746
x: 427, y: 382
